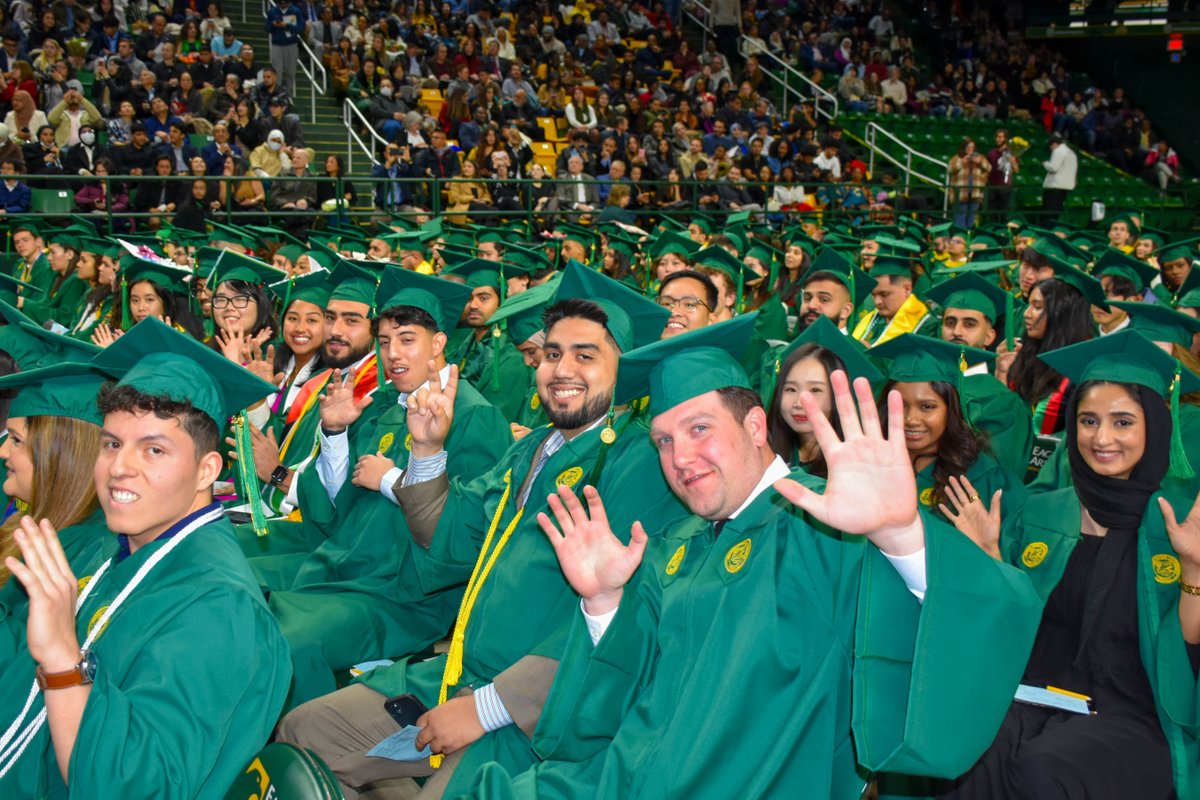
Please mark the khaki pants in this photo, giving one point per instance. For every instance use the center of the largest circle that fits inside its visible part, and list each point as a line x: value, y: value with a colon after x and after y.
x: 341, y: 728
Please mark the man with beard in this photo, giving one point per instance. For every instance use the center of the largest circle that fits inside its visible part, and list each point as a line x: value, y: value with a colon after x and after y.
x: 971, y: 309
x: 897, y: 308
x: 348, y: 600
x: 826, y: 290
x: 486, y: 695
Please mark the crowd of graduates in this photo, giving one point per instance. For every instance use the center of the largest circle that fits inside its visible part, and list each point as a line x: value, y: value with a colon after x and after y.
x: 871, y: 481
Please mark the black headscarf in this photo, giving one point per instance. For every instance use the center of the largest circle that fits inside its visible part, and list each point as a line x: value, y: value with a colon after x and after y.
x: 1119, y: 506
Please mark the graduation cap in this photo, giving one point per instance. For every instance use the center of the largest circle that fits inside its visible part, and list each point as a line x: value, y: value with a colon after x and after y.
x: 1184, y: 249
x: 265, y: 234
x: 1129, y: 357
x: 230, y: 234
x: 27, y: 289
x: 913, y: 358
x: 159, y: 361
x: 1131, y: 223
x: 893, y: 266
x: 633, y: 320
x: 829, y: 263
x: 51, y: 347
x: 291, y: 252
x: 1188, y: 295
x: 355, y: 282
x: 230, y: 265
x: 798, y: 238
x: 1154, y: 235
x: 1085, y: 284
x: 166, y: 277
x: 100, y: 246
x: 1117, y: 264
x: 522, y: 312
x: 1160, y: 323
x: 409, y: 240
x: 64, y: 389
x: 323, y: 256
x: 442, y: 300
x: 312, y: 287
x: 971, y: 292
x: 326, y: 240
x: 849, y: 351
x: 479, y: 272
x: 527, y: 259
x: 726, y: 263
x: 27, y: 225
x: 682, y: 367
x: 672, y: 242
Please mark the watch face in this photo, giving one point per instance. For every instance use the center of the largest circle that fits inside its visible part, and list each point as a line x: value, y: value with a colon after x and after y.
x: 88, y: 666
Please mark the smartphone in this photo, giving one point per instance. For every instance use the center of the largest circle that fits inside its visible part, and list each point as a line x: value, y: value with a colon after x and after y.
x: 406, y: 709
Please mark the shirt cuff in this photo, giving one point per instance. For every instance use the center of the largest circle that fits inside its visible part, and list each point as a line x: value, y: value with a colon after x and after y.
x: 490, y: 708
x: 425, y: 469
x: 389, y: 480
x: 598, y: 624
x: 912, y: 569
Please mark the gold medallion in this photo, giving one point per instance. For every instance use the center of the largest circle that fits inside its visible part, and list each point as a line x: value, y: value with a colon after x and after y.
x: 676, y: 560
x: 385, y: 443
x: 608, y: 435
x: 569, y: 477
x: 736, y: 558
x: 1166, y: 568
x: 1034, y: 554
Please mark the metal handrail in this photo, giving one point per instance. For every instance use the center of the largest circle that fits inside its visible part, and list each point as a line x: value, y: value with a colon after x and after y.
x: 317, y: 68
x: 349, y: 112
x: 874, y: 131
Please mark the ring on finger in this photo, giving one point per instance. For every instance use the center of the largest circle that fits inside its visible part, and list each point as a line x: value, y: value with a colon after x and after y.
x: 973, y: 498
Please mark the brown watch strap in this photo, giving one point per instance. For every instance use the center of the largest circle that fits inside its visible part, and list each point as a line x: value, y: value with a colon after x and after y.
x: 61, y: 680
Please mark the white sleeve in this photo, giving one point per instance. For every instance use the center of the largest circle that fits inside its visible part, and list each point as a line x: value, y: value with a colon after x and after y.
x: 597, y: 625
x: 260, y: 415
x: 333, y: 463
x: 912, y: 569
x: 388, y: 481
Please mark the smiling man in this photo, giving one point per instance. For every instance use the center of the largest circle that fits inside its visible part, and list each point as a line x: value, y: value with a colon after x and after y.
x: 690, y: 297
x: 897, y: 309
x: 347, y: 601
x: 826, y: 290
x: 832, y: 621
x: 487, y: 693
x: 172, y: 672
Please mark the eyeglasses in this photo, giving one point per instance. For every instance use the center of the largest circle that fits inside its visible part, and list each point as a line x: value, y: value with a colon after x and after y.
x: 237, y: 301
x: 689, y: 304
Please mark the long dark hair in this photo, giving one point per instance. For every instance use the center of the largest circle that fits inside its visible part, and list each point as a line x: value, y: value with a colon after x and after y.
x: 266, y: 315
x: 174, y: 307
x: 283, y: 351
x: 1068, y: 321
x: 783, y: 440
x: 959, y: 446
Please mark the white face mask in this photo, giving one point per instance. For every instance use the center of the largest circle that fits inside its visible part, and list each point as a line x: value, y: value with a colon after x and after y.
x: 386, y: 91
x: 275, y: 145
x: 88, y: 138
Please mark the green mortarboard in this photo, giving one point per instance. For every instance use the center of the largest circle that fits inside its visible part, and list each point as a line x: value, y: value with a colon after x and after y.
x: 892, y: 265
x: 971, y: 292
x: 409, y: 240
x: 829, y: 262
x: 52, y: 348
x: 763, y: 252
x: 523, y: 312
x: 480, y: 272
x: 1182, y: 249
x: 633, y: 320
x: 1134, y: 228
x: 622, y: 242
x: 325, y: 257
x: 1160, y: 323
x: 682, y: 367
x: 101, y: 246
x: 157, y: 360
x: 1188, y: 295
x: 1129, y: 357
x: 171, y: 279
x: 798, y: 238
x: 957, y: 230
x: 1087, y: 241
x: 1116, y: 263
x: 726, y: 263
x: 229, y: 265
x: 849, y: 350
x: 65, y: 389
x: 269, y: 233
x: 527, y: 259
x: 1058, y: 251
x: 577, y: 233
x: 27, y: 225
x: 737, y: 236
x: 355, y: 282
x: 502, y: 236
x: 701, y: 222
x: 233, y: 235
x: 1085, y: 284
x: 913, y: 358
x: 986, y: 239
x: 28, y: 289
x: 291, y: 252
x: 443, y: 300
x: 312, y: 287
x: 1159, y: 238
x: 672, y: 242
x: 325, y: 240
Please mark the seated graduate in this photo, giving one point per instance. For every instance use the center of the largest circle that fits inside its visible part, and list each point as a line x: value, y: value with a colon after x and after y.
x: 166, y: 672
x: 1119, y: 573
x: 806, y: 366
x: 770, y: 597
x: 944, y: 447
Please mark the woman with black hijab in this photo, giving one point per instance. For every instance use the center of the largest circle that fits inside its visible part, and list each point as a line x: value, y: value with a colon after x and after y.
x: 1120, y: 573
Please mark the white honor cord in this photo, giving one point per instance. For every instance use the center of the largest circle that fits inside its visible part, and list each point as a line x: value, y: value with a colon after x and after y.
x: 16, y: 748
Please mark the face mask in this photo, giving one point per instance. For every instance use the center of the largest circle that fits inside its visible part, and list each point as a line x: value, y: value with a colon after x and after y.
x: 88, y: 138
x: 386, y: 91
x: 275, y: 145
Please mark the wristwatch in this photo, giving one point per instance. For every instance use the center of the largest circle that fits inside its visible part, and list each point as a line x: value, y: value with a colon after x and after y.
x: 80, y: 675
x: 279, y: 475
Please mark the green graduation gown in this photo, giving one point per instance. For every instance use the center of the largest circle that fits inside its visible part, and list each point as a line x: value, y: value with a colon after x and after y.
x: 499, y: 383
x: 356, y: 597
x: 1000, y: 413
x: 986, y: 475
x: 87, y: 326
x: 1041, y: 542
x: 192, y: 676
x: 60, y: 306
x: 526, y: 606
x: 532, y: 415
x: 780, y: 659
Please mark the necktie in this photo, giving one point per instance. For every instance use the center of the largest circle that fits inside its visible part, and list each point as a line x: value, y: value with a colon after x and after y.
x: 718, y: 525
x: 544, y: 454
x: 580, y: 195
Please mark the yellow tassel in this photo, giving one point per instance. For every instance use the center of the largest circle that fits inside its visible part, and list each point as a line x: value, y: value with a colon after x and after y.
x: 483, y: 567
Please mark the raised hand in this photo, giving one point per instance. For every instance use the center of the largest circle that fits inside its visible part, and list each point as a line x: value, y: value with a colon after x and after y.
x: 431, y: 412
x: 339, y: 408
x: 105, y: 334
x: 871, y: 488
x: 263, y: 364
x: 232, y: 344
x: 979, y: 522
x: 593, y: 560
x: 52, y: 588
x: 1185, y: 538
x: 370, y: 469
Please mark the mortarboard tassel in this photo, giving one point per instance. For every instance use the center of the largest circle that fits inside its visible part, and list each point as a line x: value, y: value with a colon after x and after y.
x: 1180, y: 468
x: 248, y: 487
